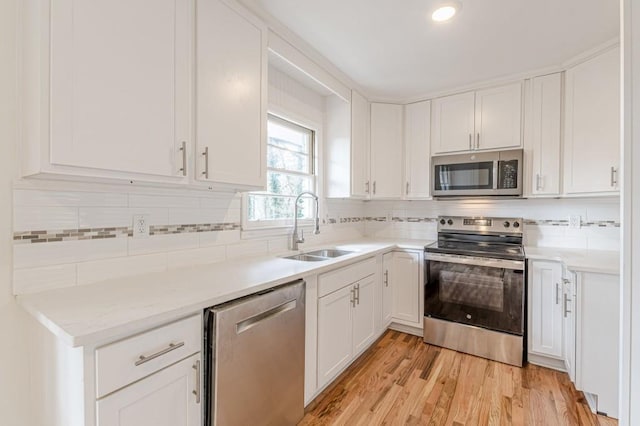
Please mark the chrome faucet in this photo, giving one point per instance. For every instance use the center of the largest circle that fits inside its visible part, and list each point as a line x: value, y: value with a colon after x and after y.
x: 299, y: 239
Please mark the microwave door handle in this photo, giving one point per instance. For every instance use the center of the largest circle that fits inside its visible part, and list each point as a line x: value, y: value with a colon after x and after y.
x: 496, y: 170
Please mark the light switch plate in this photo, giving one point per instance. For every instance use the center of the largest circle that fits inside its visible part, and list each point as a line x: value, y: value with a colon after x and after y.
x: 140, y: 226
x: 575, y: 221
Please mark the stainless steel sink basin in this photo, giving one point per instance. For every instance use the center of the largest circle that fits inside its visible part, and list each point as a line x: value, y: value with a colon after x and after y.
x: 306, y: 258
x: 330, y: 253
x: 318, y: 255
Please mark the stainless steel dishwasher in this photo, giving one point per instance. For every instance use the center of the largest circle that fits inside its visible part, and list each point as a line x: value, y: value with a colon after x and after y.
x: 254, y: 363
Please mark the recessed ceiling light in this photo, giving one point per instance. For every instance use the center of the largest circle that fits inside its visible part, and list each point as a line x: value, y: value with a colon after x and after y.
x: 445, y: 12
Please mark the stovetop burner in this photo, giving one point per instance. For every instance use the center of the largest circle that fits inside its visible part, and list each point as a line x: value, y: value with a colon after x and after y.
x: 499, y: 238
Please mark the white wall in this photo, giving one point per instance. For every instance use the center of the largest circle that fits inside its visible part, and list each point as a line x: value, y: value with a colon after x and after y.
x: 630, y: 261
x: 14, y: 374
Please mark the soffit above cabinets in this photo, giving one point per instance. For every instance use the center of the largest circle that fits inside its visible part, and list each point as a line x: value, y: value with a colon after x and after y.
x: 394, y: 51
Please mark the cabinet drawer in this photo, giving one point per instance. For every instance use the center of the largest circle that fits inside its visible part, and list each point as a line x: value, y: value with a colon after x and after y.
x: 121, y: 363
x: 335, y: 280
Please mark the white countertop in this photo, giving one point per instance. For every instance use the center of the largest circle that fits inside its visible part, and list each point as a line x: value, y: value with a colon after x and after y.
x: 579, y: 260
x: 95, y: 313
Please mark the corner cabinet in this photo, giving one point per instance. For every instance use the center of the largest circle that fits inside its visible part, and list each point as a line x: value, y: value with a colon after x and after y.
x: 592, y: 125
x: 386, y: 151
x: 231, y: 95
x: 486, y: 119
x: 107, y: 103
x: 417, y: 151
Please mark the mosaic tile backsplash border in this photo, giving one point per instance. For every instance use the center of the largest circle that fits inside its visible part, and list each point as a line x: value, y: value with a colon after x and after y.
x: 57, y: 235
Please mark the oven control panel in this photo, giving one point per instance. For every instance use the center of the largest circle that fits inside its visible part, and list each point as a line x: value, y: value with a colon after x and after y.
x: 508, y: 225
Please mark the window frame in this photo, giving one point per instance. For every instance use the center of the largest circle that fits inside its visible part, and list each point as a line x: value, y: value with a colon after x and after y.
x: 280, y: 226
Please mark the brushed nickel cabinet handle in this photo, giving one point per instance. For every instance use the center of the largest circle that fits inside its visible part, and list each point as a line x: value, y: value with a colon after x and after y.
x: 478, y: 142
x: 353, y: 297
x: 470, y: 143
x: 172, y: 347
x: 614, y: 177
x: 206, y: 162
x: 386, y: 278
x: 196, y: 391
x: 367, y: 187
x: 358, y: 294
x: 374, y: 187
x: 407, y: 188
x: 183, y: 148
x: 557, y: 293
x: 538, y: 186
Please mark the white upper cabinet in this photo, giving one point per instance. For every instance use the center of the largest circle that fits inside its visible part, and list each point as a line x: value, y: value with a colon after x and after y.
x: 543, y: 132
x: 453, y: 123
x: 482, y: 120
x: 231, y: 93
x: 498, y: 117
x: 386, y: 150
x: 417, y: 150
x: 107, y: 89
x: 360, y: 126
x: 592, y: 125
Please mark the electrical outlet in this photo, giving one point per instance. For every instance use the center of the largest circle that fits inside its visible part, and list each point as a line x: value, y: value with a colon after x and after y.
x: 140, y: 226
x: 575, y: 221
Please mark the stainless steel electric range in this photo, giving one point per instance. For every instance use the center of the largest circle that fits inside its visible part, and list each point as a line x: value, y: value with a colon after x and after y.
x: 475, y: 288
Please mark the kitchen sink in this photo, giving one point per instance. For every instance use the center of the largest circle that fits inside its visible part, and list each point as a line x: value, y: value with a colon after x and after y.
x: 318, y: 255
x: 330, y: 253
x: 306, y: 258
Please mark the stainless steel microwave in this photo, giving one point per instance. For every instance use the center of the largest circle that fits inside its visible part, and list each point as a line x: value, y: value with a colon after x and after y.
x: 478, y: 174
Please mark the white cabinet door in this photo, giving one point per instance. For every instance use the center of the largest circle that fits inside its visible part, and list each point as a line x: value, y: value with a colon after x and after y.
x: 592, y: 125
x: 364, y: 332
x: 335, y: 333
x: 406, y: 287
x: 498, y: 117
x: 165, y: 398
x: 597, y: 338
x: 569, y: 312
x: 360, y: 116
x: 387, y: 289
x: 386, y: 150
x: 453, y: 123
x: 543, y: 134
x: 121, y: 85
x: 417, y: 150
x: 231, y: 61
x: 545, y: 304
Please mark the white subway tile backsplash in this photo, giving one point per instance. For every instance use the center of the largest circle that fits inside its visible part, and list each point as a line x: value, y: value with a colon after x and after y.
x: 247, y: 249
x: 207, y: 239
x: 43, y: 254
x: 163, y: 243
x: 34, y: 218
x: 95, y: 271
x: 194, y: 257
x: 33, y: 280
x: 31, y: 197
x: 166, y: 201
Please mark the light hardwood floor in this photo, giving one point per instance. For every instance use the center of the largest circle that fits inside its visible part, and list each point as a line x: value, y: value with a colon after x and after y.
x: 403, y: 381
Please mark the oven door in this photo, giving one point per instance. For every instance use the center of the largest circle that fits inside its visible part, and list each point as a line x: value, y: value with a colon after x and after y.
x: 482, y: 292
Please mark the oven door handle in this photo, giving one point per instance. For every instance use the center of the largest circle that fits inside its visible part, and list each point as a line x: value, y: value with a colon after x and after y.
x: 516, y: 265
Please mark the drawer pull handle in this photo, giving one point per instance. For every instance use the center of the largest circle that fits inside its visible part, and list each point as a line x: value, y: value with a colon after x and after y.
x: 172, y: 347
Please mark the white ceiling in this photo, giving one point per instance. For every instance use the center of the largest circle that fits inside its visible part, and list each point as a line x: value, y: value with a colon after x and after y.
x: 394, y: 51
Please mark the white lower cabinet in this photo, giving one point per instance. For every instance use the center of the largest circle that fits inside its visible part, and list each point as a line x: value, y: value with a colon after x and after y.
x: 545, y: 313
x: 346, y: 317
x: 170, y: 397
x: 569, y: 314
x: 387, y: 289
x: 405, y: 284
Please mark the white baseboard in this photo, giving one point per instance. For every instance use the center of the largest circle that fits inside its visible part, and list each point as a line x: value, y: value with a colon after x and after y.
x: 406, y: 329
x: 543, y: 361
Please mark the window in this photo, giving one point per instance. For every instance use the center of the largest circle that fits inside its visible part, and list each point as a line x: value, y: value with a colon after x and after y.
x: 290, y: 171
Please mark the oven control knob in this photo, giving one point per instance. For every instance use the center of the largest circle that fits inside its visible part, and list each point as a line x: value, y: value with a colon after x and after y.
x: 516, y: 224
x: 442, y: 221
x: 450, y: 222
x: 506, y: 224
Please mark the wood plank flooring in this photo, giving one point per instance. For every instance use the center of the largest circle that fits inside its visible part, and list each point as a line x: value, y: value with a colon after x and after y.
x: 403, y: 381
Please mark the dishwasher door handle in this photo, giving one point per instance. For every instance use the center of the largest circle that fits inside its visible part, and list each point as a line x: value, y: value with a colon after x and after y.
x: 250, y: 322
